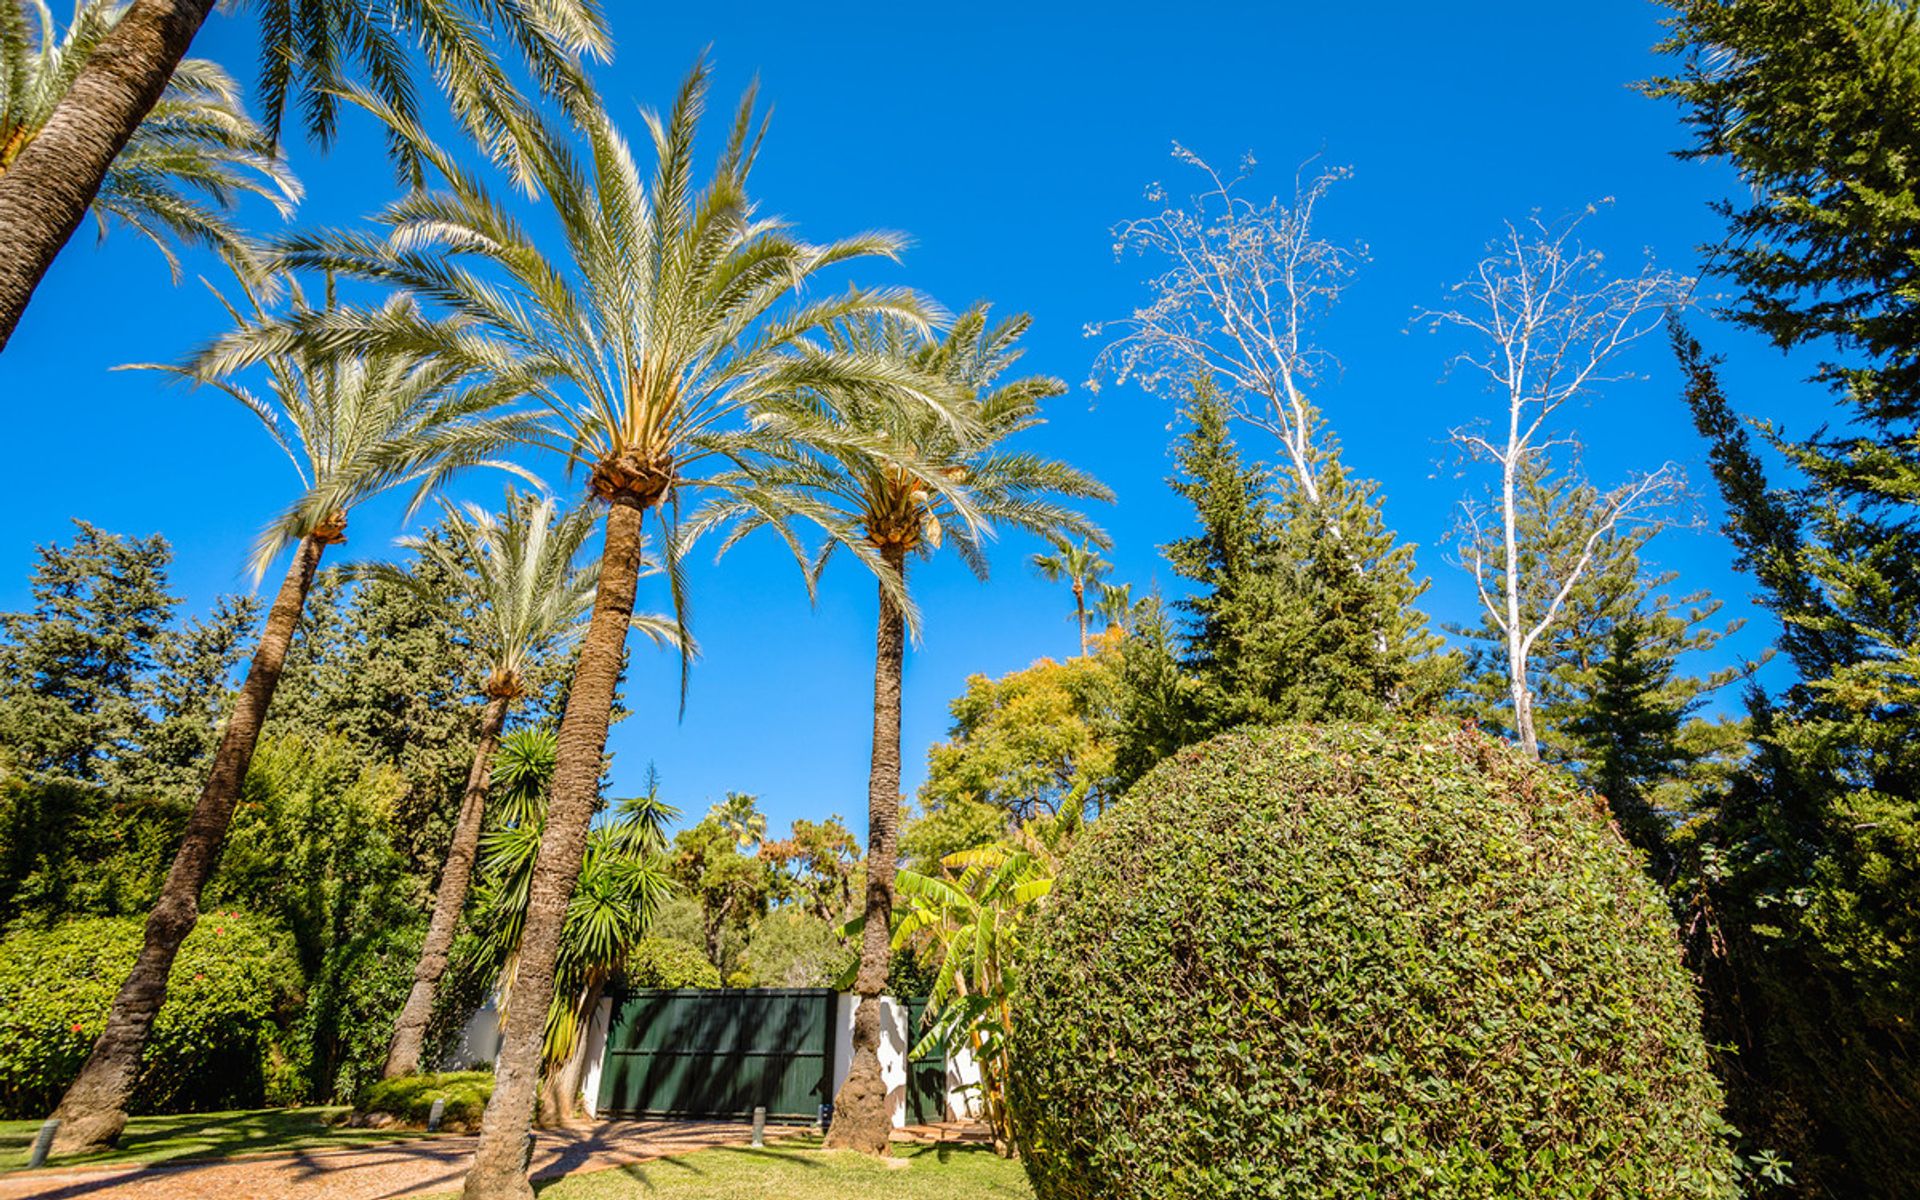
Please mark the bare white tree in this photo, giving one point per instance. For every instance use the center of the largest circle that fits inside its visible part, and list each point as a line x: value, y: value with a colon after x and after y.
x: 1242, y: 287
x: 1548, y: 321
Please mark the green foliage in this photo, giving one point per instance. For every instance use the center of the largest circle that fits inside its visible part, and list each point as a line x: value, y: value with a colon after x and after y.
x: 1347, y: 961
x: 1033, y: 741
x: 1804, y: 883
x: 731, y: 889
x: 73, y: 667
x: 947, y: 826
x: 409, y: 1099
x: 815, y: 867
x: 1816, y: 103
x: 1304, y: 609
x: 214, y: 1045
x: 789, y: 948
x: 658, y: 962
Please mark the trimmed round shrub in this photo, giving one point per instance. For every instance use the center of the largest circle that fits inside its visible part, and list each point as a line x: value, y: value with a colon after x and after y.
x: 1347, y: 961
x: 409, y: 1099
x: 668, y: 963
x: 215, y: 1044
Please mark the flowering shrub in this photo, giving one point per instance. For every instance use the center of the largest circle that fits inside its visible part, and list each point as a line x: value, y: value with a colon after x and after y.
x: 215, y: 1044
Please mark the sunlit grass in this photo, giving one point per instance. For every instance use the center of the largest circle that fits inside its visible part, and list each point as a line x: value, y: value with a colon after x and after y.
x: 207, y: 1135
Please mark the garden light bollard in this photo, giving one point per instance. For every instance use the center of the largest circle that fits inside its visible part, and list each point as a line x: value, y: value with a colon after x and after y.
x: 434, y: 1114
x: 760, y: 1125
x: 43, y: 1142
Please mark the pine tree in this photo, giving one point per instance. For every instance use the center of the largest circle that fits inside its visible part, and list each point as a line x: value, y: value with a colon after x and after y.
x: 72, y: 668
x: 1303, y: 609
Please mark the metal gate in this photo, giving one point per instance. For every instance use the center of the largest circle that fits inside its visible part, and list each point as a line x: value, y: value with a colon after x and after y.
x: 926, y: 1075
x: 701, y: 1052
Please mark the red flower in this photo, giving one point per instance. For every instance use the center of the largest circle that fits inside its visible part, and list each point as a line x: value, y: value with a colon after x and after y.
x: 79, y: 1028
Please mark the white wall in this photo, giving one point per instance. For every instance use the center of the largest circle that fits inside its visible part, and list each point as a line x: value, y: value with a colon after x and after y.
x: 479, y: 1042
x: 895, y: 1042
x: 596, y: 1055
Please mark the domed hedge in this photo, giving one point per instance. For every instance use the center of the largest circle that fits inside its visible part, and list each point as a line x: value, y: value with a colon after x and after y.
x: 1345, y: 961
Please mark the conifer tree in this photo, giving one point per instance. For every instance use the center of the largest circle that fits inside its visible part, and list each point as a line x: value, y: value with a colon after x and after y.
x: 1303, y: 608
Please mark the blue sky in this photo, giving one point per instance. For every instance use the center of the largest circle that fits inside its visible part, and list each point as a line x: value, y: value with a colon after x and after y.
x: 1006, y: 140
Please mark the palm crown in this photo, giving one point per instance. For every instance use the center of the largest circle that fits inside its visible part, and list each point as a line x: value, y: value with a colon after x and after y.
x: 655, y: 338
x: 887, y: 480
x: 189, y: 161
x: 516, y: 581
x: 355, y: 425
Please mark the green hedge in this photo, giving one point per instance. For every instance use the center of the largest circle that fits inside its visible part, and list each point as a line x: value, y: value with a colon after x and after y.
x: 669, y: 963
x: 409, y: 1099
x: 1342, y: 962
x: 215, y: 1044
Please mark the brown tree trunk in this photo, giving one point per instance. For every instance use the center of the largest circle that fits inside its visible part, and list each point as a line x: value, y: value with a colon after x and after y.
x: 1080, y: 613
x: 410, y: 1033
x: 861, y: 1120
x: 94, y: 1109
x: 45, y: 193
x: 499, y: 1165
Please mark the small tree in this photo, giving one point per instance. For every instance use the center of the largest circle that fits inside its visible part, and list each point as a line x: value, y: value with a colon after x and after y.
x: 1083, y: 569
x: 1548, y: 321
x: 1243, y: 285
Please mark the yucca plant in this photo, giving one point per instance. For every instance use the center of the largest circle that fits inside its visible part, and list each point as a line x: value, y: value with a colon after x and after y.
x: 655, y: 336
x: 623, y: 881
x: 184, y: 167
x: 1082, y: 567
x: 353, y: 427
x: 888, y: 482
x: 512, y: 586
x: 310, y: 51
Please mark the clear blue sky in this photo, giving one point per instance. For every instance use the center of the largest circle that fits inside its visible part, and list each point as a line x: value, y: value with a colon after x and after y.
x: 1006, y: 140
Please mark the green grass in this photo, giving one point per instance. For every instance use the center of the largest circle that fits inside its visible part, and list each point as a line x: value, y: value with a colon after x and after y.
x: 797, y: 1170
x: 207, y: 1135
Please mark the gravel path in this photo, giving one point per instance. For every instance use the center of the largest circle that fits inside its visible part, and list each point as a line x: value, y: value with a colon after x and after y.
x: 421, y: 1168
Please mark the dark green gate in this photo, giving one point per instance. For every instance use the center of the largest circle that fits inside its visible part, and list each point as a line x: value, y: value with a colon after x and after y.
x: 719, y: 1053
x: 927, y: 1075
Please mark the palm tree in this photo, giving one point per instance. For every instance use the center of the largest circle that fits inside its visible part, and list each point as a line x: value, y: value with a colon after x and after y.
x: 354, y: 427
x: 1083, y: 569
x: 622, y: 883
x: 654, y: 341
x: 739, y: 814
x: 888, y: 482
x: 1115, y: 605
x: 186, y: 164
x: 518, y: 596
x: 309, y: 48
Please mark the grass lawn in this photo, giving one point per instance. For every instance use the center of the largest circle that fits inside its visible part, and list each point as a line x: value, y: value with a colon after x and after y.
x: 794, y: 1170
x: 207, y: 1135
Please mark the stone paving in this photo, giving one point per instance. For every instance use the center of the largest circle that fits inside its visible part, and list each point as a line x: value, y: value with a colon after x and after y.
x: 402, y: 1169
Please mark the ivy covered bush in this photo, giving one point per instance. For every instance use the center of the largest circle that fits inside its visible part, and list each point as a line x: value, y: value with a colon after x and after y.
x: 1347, y: 961
x: 215, y: 1045
x: 409, y: 1099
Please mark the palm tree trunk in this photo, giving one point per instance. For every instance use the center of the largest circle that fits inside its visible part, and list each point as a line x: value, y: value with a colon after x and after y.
x: 861, y: 1120
x: 1080, y: 613
x: 410, y: 1033
x: 45, y: 193
x: 499, y: 1166
x: 94, y: 1109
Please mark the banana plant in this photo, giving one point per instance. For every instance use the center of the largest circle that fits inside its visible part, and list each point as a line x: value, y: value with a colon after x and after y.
x: 968, y: 921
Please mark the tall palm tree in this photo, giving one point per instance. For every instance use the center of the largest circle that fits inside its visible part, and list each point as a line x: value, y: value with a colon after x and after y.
x: 654, y: 340
x: 1083, y: 569
x: 888, y: 482
x: 310, y: 49
x: 353, y: 427
x: 183, y: 167
x: 518, y: 595
x: 623, y: 881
